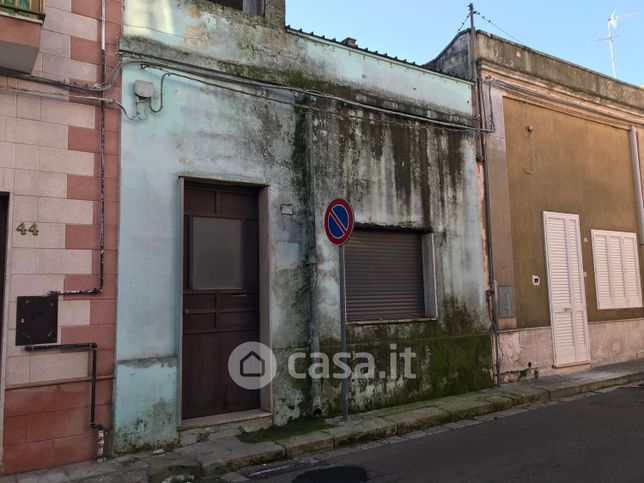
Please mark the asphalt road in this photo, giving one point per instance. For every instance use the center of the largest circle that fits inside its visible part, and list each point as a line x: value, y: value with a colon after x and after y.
x: 597, y: 438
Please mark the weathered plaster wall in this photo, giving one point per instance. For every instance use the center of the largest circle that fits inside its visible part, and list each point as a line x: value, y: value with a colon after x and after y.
x: 454, y: 59
x: 203, y: 33
x: 496, y: 51
x: 554, y: 71
x: 610, y: 342
x: 499, y: 193
x: 591, y: 177
x: 394, y: 173
x: 414, y: 177
x: 564, y: 163
x: 201, y: 133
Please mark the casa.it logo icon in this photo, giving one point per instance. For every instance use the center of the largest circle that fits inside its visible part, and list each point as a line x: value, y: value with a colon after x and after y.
x: 252, y: 365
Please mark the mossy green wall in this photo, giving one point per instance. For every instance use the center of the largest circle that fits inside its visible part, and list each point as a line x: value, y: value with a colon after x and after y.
x: 394, y: 172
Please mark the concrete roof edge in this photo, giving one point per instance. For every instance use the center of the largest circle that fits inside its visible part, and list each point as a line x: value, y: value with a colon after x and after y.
x: 447, y: 47
x: 585, y: 70
x: 361, y: 51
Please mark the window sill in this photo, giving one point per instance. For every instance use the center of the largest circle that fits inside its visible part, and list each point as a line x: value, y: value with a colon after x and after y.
x: 225, y: 418
x: 36, y: 18
x: 390, y: 322
x: 620, y: 307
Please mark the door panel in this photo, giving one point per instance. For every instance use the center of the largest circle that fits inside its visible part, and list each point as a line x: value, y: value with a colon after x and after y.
x: 216, y: 266
x: 220, y: 295
x: 566, y: 288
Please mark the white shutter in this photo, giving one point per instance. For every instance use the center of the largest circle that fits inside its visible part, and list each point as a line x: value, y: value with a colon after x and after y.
x: 577, y: 282
x: 632, y: 270
x: 602, y: 273
x: 617, y: 271
x: 616, y: 267
x: 566, y: 288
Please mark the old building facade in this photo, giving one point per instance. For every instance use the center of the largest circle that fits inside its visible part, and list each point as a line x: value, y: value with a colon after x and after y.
x: 564, y: 151
x: 202, y: 140
x: 58, y: 214
x: 242, y: 131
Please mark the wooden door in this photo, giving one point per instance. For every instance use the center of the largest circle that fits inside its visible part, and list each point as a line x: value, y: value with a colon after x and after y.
x: 566, y: 288
x: 220, y: 295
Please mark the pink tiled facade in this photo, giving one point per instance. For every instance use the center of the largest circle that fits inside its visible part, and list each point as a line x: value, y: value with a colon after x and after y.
x: 49, y: 167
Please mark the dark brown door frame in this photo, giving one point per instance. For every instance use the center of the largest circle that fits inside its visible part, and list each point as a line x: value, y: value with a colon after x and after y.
x: 4, y: 234
x: 264, y: 277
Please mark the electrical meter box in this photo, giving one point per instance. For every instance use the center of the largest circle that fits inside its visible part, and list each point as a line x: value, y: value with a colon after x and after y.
x: 37, y: 320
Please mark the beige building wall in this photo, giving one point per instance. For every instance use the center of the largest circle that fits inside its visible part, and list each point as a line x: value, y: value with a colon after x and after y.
x: 561, y: 163
x: 545, y: 158
x: 557, y: 140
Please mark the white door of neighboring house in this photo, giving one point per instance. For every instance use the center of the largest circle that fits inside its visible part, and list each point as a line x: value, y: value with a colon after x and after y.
x: 568, y: 316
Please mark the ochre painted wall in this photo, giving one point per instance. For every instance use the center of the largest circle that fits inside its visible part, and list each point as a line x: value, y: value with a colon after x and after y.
x: 569, y: 165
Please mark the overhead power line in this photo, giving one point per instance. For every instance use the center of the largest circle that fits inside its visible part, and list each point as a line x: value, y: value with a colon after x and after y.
x: 476, y: 12
x: 463, y: 23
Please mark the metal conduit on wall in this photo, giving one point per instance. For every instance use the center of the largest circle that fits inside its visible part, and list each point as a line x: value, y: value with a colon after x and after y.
x: 637, y: 179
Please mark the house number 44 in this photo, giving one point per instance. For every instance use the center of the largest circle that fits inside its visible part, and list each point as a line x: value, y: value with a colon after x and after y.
x: 33, y: 229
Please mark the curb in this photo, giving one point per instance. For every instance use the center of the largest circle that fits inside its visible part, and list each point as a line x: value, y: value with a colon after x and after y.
x: 377, y: 424
x: 223, y: 455
x: 385, y: 423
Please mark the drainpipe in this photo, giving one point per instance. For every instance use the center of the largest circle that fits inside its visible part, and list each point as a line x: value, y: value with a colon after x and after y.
x: 314, y: 296
x: 101, y: 194
x: 87, y: 346
x: 482, y: 157
x: 637, y: 178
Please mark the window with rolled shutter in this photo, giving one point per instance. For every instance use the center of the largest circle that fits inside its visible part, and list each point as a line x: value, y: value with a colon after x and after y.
x: 384, y: 275
x: 617, y: 270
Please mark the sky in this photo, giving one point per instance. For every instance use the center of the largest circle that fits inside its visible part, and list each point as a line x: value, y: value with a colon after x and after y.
x: 418, y: 30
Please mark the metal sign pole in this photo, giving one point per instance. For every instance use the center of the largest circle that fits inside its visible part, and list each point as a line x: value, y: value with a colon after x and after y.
x: 343, y: 335
x: 338, y: 224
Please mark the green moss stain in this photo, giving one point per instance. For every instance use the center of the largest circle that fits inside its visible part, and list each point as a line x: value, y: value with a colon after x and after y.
x: 453, y: 356
x: 299, y: 154
x: 374, y: 127
x: 346, y: 139
x: 401, y: 140
x: 298, y: 427
x: 454, y: 156
x: 422, y: 151
x: 143, y: 434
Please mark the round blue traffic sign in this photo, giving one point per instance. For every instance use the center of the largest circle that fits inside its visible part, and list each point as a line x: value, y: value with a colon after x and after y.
x: 338, y: 221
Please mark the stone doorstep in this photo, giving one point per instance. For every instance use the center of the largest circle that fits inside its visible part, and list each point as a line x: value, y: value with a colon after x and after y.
x: 211, y: 428
x: 228, y: 453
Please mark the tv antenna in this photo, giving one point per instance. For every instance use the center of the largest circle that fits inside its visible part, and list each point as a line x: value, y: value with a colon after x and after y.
x: 612, y: 24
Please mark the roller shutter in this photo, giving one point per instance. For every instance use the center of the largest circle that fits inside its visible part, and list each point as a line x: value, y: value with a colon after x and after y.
x: 384, y: 275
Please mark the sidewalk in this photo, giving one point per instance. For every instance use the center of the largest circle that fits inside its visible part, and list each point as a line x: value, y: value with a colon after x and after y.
x: 229, y: 453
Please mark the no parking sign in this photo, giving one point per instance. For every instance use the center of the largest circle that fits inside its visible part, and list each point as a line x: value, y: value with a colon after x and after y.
x: 338, y: 221
x: 338, y: 224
